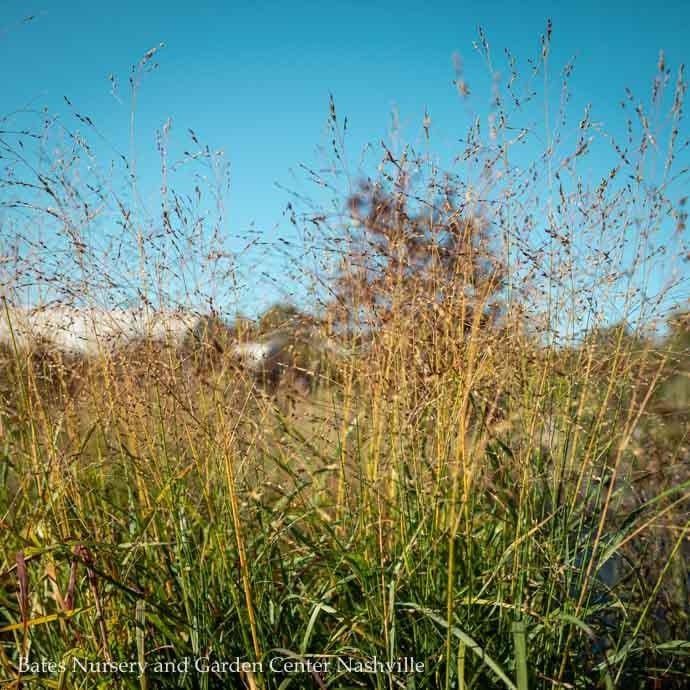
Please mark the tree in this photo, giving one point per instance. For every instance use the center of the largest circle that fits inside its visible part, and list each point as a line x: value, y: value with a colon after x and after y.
x: 404, y: 256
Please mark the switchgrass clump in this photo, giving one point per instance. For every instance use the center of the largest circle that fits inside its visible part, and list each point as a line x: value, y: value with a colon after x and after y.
x: 488, y: 470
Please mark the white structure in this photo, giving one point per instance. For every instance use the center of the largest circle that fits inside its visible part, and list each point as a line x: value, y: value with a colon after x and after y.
x: 93, y: 331
x: 87, y: 332
x: 259, y: 356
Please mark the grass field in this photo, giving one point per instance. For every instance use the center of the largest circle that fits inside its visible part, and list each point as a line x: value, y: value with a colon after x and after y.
x: 487, y: 485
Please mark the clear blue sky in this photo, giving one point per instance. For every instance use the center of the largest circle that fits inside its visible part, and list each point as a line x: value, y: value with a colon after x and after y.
x: 254, y: 78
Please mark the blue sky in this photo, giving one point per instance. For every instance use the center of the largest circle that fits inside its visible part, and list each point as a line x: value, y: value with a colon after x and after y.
x: 254, y: 78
